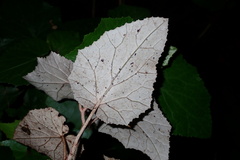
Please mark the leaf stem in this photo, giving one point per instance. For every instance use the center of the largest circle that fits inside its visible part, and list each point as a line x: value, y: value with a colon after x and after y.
x: 84, y: 126
x: 82, y: 111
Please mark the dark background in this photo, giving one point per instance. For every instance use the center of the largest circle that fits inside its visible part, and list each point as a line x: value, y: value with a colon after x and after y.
x: 206, y: 33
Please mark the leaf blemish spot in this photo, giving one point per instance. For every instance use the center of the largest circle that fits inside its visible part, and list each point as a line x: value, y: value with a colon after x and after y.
x: 26, y: 130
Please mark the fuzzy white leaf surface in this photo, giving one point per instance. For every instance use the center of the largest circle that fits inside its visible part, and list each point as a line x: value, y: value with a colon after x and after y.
x: 151, y: 135
x: 51, y: 76
x: 116, y: 73
x: 44, y: 130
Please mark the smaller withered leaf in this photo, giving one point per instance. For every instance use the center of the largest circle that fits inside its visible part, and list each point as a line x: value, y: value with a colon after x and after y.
x: 151, y: 135
x: 51, y: 76
x: 115, y: 75
x: 44, y: 131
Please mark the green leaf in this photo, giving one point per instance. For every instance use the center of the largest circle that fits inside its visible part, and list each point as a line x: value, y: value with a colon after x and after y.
x: 106, y: 24
x: 16, y: 102
x: 63, y: 42
x: 18, y: 149
x: 33, y: 99
x: 185, y: 100
x: 69, y: 109
x: 20, y: 59
x: 9, y: 128
x: 6, y: 153
x: 21, y: 152
x: 132, y: 11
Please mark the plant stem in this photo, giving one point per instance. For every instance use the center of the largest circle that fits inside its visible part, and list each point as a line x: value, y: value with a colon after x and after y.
x: 82, y: 111
x: 84, y: 126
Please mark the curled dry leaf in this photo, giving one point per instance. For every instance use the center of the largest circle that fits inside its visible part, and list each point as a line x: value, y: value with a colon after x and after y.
x: 43, y: 130
x: 151, y: 135
x: 51, y: 76
x: 116, y: 73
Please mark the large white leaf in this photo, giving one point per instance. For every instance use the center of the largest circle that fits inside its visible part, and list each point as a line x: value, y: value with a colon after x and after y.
x: 44, y: 131
x: 116, y: 73
x: 51, y: 76
x: 151, y: 135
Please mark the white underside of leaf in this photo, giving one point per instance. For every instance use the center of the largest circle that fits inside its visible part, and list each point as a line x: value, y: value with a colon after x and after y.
x: 51, y: 76
x: 151, y: 135
x: 116, y: 73
x: 43, y: 130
